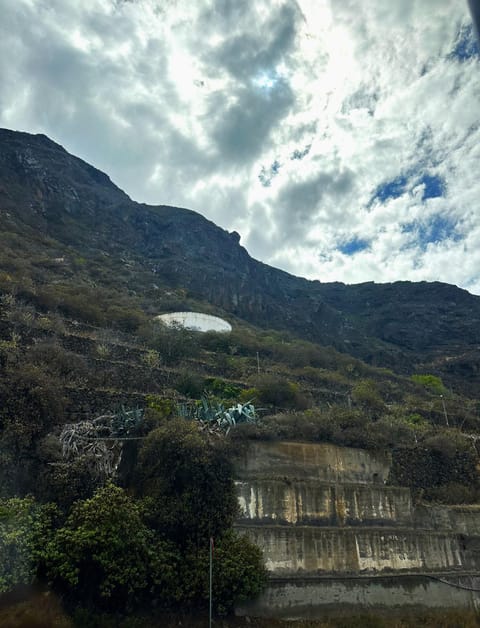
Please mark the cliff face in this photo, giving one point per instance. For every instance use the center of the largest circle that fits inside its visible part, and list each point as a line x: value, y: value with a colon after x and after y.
x: 54, y: 200
x: 328, y: 525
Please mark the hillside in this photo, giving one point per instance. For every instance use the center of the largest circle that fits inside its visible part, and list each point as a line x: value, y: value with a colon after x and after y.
x: 94, y: 390
x: 66, y: 224
x: 84, y: 269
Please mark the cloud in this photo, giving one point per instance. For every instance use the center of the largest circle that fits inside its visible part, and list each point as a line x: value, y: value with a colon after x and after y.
x: 243, y: 130
x: 341, y: 139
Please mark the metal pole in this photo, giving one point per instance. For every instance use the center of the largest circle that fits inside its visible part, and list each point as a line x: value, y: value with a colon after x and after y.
x: 445, y: 411
x: 210, y: 585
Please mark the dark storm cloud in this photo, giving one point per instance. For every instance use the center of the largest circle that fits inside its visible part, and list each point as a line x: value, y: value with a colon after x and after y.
x: 126, y: 99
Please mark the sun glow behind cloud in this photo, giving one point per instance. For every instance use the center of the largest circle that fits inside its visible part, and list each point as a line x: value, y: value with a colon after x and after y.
x: 341, y: 139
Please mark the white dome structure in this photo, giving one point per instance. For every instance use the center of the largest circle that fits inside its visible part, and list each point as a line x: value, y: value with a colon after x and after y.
x: 196, y: 321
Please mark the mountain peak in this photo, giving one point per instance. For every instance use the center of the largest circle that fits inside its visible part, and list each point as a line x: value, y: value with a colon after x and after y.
x: 48, y: 195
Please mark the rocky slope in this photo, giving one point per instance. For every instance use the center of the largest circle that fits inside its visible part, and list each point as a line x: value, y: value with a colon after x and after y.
x: 55, y: 207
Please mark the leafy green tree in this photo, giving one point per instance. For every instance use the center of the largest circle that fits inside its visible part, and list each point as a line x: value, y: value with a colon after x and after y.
x: 24, y: 527
x: 106, y: 556
x: 239, y: 573
x: 189, y: 481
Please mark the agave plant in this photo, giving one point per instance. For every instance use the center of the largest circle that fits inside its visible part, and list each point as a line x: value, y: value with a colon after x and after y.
x: 214, y: 417
x: 124, y: 422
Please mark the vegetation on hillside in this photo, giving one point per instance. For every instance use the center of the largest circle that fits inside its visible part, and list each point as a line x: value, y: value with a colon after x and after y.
x: 143, y: 528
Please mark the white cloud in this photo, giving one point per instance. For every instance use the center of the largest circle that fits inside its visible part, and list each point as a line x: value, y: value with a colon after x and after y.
x: 279, y: 119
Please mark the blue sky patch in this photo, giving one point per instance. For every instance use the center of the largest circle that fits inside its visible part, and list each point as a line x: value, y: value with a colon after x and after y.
x: 434, y: 186
x: 352, y: 246
x: 466, y: 45
x: 391, y: 189
x: 437, y: 229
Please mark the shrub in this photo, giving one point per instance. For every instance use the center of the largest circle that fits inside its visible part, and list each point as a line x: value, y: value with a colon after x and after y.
x: 67, y: 482
x: 238, y: 573
x: 172, y: 342
x: 190, y: 481
x: 442, y: 461
x: 451, y: 493
x: 151, y: 358
x: 366, y: 395
x: 280, y: 393
x: 105, y: 555
x: 431, y: 383
x: 221, y: 388
x: 24, y: 528
x: 190, y: 384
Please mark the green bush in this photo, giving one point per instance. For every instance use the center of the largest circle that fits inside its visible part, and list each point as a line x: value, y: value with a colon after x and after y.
x: 67, y: 482
x: 431, y: 383
x: 189, y: 481
x: 190, y: 384
x: 238, y: 573
x: 438, y: 465
x: 105, y: 556
x: 24, y: 528
x: 220, y: 388
x: 280, y: 393
x: 172, y: 342
x: 366, y: 395
x: 452, y: 493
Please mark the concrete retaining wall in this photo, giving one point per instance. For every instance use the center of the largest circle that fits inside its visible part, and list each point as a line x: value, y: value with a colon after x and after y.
x: 336, y: 539
x: 304, y: 550
x: 313, y: 599
x: 322, y: 462
x: 302, y: 502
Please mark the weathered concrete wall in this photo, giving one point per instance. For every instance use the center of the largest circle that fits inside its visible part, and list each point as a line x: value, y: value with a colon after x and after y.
x: 458, y: 519
x: 314, y: 461
x: 313, y: 598
x: 300, y: 502
x: 336, y: 539
x: 300, y: 550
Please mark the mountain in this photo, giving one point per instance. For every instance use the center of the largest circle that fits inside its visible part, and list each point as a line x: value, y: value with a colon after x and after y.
x: 62, y: 220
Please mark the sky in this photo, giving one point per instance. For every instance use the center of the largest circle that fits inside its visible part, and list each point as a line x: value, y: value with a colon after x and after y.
x: 340, y: 138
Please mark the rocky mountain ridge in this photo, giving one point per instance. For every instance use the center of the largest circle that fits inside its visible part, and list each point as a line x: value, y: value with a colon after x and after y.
x: 68, y: 208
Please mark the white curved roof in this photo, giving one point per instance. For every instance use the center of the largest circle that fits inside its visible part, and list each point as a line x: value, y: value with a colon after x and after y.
x: 196, y: 321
